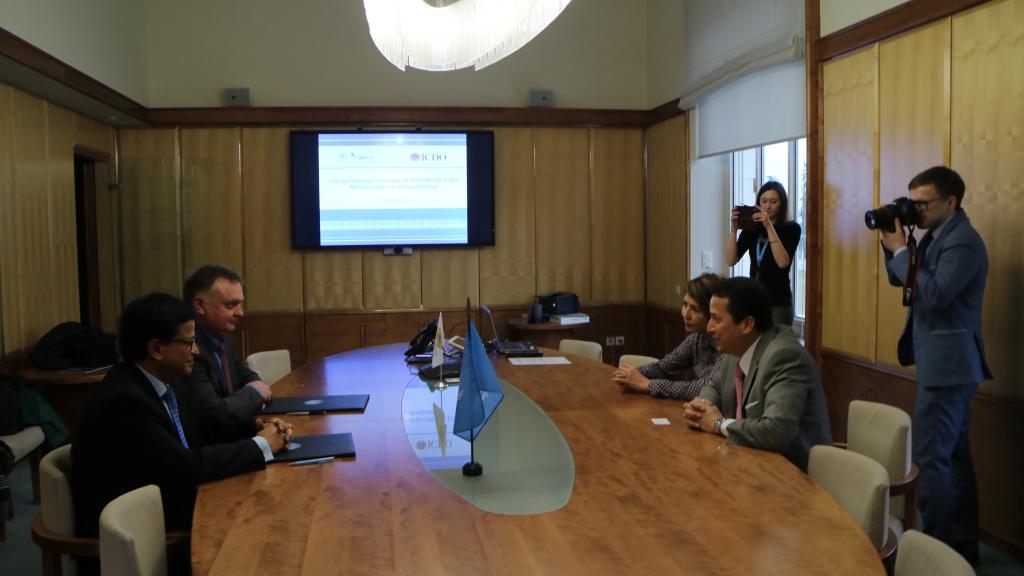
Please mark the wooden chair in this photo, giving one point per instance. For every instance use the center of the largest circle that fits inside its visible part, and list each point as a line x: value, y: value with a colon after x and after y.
x: 27, y: 442
x: 53, y: 529
x: 883, y: 433
x: 636, y: 359
x: 922, y: 555
x: 861, y: 486
x: 271, y: 365
x: 583, y: 348
x: 132, y: 536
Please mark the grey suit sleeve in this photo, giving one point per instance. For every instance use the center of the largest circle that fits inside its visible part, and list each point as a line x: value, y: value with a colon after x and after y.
x: 245, y: 374
x: 243, y: 404
x: 891, y: 266
x: 785, y: 396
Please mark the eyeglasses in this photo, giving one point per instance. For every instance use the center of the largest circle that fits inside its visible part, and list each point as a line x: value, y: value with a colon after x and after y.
x: 190, y: 342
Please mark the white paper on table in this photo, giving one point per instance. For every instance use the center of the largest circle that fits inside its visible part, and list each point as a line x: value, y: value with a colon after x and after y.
x: 539, y: 360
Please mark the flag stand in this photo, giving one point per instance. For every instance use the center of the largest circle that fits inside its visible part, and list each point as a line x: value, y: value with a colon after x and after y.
x: 471, y: 468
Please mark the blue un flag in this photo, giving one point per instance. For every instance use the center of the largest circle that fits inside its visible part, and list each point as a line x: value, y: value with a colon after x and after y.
x: 479, y: 389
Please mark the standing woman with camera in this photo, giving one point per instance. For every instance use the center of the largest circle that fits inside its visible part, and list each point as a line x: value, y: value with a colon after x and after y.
x: 771, y: 240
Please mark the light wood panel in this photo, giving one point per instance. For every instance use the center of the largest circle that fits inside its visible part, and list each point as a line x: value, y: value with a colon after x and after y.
x: 667, y: 206
x: 562, y: 180
x: 38, y: 294
x: 392, y: 281
x: 273, y: 271
x: 508, y: 272
x: 450, y: 276
x: 333, y: 280
x: 211, y: 192
x: 93, y: 135
x: 988, y: 151
x: 150, y: 212
x: 62, y: 221
x: 849, y: 249
x: 617, y: 215
x: 10, y: 292
x: 913, y: 121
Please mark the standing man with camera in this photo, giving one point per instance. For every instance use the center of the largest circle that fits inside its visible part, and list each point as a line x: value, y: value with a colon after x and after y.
x: 944, y: 281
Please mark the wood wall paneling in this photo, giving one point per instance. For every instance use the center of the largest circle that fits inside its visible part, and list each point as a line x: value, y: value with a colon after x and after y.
x: 150, y: 215
x: 849, y: 251
x: 450, y: 276
x: 62, y: 221
x: 261, y: 332
x: 617, y: 215
x: 913, y: 120
x: 10, y: 312
x: 94, y: 135
x: 988, y: 151
x: 273, y: 271
x: 391, y: 282
x: 508, y: 273
x: 37, y: 290
x: 333, y: 279
x: 211, y: 192
x: 562, y: 173
x: 108, y: 247
x: 667, y: 206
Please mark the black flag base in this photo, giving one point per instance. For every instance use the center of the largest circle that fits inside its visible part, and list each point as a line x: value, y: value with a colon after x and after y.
x: 472, y: 469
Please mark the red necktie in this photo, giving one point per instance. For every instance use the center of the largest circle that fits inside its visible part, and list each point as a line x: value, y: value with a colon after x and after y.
x: 739, y: 393
x: 227, y: 370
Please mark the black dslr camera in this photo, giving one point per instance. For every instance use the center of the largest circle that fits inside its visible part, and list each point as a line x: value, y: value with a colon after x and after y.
x: 884, y: 218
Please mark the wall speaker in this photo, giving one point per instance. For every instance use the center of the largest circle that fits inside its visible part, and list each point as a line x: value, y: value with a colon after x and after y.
x: 236, y: 97
x: 542, y: 98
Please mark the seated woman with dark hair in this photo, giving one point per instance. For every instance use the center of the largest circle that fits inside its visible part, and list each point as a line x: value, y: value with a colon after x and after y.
x: 667, y: 378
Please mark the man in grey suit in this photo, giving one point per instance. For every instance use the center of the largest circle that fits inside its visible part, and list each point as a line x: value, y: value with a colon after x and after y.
x: 223, y: 382
x: 782, y: 405
x: 943, y: 337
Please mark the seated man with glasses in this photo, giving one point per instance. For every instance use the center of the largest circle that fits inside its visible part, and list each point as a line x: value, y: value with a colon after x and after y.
x: 138, y: 428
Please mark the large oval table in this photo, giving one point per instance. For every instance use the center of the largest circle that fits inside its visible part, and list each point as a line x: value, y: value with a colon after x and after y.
x: 646, y: 500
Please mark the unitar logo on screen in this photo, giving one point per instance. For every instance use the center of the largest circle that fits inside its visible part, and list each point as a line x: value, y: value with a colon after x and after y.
x: 431, y: 157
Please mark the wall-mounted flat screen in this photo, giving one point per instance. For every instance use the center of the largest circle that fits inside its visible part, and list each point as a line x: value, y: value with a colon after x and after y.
x: 391, y: 189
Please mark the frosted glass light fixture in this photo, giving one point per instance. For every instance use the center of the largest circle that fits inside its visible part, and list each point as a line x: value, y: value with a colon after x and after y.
x: 452, y: 34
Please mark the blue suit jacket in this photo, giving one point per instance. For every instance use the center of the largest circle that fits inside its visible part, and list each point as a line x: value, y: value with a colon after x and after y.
x: 943, y: 330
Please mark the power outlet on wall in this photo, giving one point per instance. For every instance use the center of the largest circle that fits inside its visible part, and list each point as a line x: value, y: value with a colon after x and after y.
x: 609, y: 340
x: 620, y: 341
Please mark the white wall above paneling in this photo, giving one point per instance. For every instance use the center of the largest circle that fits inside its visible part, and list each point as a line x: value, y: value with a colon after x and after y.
x: 838, y: 14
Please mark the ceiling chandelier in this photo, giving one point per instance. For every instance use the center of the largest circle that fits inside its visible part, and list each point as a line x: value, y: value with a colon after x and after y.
x: 452, y: 34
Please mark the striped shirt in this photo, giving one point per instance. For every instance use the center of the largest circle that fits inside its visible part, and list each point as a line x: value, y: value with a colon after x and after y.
x: 697, y: 352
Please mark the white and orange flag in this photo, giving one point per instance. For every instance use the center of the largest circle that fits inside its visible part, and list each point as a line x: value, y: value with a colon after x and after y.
x: 438, y: 357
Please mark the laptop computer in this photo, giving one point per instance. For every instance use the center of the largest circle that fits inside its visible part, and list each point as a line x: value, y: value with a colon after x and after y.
x: 319, y: 446
x: 317, y: 404
x: 509, y: 347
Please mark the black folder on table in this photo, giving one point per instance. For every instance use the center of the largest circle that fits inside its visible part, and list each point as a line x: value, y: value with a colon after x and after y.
x: 319, y: 446
x: 317, y: 404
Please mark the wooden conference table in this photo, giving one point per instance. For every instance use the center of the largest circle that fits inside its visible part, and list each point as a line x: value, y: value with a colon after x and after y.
x: 646, y: 500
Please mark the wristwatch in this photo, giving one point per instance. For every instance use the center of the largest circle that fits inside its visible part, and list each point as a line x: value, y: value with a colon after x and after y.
x: 718, y: 425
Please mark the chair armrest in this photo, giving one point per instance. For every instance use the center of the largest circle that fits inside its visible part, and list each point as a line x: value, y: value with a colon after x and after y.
x: 905, y: 485
x: 51, y: 541
x: 840, y: 445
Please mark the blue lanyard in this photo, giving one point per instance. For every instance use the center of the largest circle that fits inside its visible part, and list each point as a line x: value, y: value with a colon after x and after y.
x: 762, y: 247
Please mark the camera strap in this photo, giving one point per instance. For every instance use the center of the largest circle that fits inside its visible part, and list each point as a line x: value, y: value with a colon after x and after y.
x: 910, y: 283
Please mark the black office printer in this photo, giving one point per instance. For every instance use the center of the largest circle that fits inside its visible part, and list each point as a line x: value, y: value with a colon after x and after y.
x: 559, y: 303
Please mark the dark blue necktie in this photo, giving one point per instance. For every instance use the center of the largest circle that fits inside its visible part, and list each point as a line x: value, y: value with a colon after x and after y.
x: 172, y: 406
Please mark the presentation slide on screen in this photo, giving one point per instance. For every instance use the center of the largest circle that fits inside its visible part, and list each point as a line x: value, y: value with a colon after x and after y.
x: 392, y: 189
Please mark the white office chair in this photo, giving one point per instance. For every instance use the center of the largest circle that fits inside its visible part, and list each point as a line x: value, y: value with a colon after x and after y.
x: 271, y: 365
x: 921, y: 555
x: 882, y: 433
x: 861, y: 486
x: 583, y: 348
x: 54, y: 528
x: 636, y: 359
x: 132, y: 537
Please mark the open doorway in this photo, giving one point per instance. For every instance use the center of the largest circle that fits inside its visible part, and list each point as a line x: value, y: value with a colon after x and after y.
x: 88, y: 252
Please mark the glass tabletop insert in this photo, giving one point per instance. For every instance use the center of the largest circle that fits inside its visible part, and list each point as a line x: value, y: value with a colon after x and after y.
x: 528, y: 466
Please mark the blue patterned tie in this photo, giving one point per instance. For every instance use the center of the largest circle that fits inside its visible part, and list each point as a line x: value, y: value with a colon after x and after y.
x: 172, y: 406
